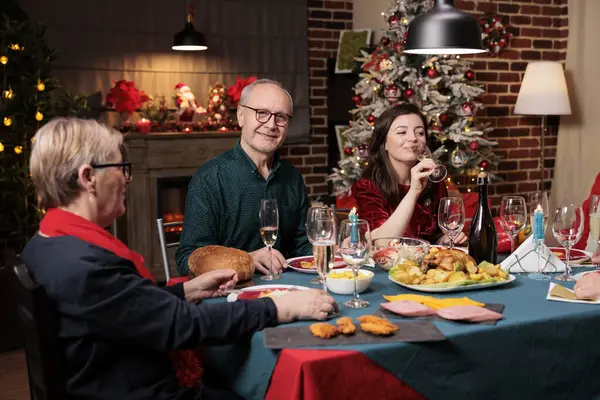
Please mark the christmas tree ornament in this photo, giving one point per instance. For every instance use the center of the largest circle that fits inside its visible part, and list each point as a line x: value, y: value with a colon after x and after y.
x: 7, y: 121
x: 395, y: 23
x: 419, y: 83
x: 443, y: 118
x: 186, y: 103
x: 347, y: 151
x: 391, y: 92
x: 474, y: 146
x: 39, y: 116
x: 375, y: 84
x: 18, y: 149
x: 16, y: 47
x: 458, y: 158
x: 398, y: 46
x: 409, y: 93
x: 8, y: 94
x: 435, y: 127
x: 40, y: 86
x: 371, y: 119
x: 363, y: 151
x: 468, y: 108
x: 483, y: 164
x: 3, y: 60
x: 470, y: 75
x: 1, y: 147
x: 385, y: 41
x: 356, y: 100
x: 432, y: 73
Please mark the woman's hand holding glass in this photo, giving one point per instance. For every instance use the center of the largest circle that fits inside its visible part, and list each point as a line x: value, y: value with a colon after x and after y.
x: 355, y: 246
x: 437, y: 172
x: 320, y: 230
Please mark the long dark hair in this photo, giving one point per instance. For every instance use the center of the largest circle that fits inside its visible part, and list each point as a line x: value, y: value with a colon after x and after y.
x: 380, y: 170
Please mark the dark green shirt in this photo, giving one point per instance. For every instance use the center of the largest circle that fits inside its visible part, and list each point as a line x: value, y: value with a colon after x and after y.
x: 223, y: 202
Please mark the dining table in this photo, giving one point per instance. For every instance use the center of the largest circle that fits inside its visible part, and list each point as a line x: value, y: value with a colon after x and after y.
x: 540, y: 349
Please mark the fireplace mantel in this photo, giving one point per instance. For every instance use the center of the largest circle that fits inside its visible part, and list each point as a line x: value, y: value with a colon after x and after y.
x: 162, y: 155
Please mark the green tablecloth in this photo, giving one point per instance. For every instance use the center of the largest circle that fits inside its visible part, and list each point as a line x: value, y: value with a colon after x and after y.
x: 540, y: 350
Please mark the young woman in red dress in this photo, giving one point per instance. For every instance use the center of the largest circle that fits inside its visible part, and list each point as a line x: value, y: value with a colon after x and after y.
x: 394, y: 194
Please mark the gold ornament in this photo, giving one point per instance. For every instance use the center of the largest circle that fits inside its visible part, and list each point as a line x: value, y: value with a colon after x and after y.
x: 3, y: 60
x: 39, y: 116
x: 18, y: 149
x: 7, y: 121
x: 1, y: 147
x: 33, y: 139
x: 16, y: 47
x: 40, y: 86
x: 8, y: 94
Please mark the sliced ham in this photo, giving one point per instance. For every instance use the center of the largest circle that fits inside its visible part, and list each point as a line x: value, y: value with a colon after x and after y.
x: 468, y: 313
x: 407, y: 308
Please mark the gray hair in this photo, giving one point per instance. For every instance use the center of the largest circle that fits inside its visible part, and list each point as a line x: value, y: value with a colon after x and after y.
x: 63, y: 145
x: 248, y: 89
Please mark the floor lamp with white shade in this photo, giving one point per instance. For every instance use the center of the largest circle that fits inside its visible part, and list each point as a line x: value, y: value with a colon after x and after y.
x: 543, y: 92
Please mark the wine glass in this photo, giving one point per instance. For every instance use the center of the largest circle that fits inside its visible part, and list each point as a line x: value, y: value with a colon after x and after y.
x: 595, y: 219
x: 513, y: 216
x: 269, y: 223
x: 320, y: 230
x: 539, y: 219
x: 355, y: 246
x: 451, y: 217
x: 439, y: 172
x: 567, y: 228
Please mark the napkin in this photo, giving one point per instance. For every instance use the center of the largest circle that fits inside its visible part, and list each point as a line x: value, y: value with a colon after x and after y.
x: 525, y: 259
x: 435, y: 302
x: 557, y: 292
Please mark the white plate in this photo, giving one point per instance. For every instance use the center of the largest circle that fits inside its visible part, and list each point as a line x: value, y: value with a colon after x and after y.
x: 433, y: 289
x: 233, y: 296
x: 338, y: 264
x: 579, y: 275
x: 549, y: 297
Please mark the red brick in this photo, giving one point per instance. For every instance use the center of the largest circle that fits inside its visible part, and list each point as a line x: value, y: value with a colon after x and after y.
x: 319, y: 136
x: 531, y: 55
x: 319, y: 14
x: 529, y: 121
x: 342, y: 15
x: 349, y: 5
x: 542, y: 44
x: 518, y: 66
x: 489, y: 99
x: 319, y: 189
x: 507, y: 122
x: 299, y: 150
x: 542, y: 1
x: 520, y: 43
x: 319, y: 149
x: 487, y: 76
x: 335, y: 5
x: 329, y: 44
x: 503, y: 188
x: 528, y: 164
x: 315, y: 44
x: 316, y: 54
x: 485, y: 7
x: 515, y: 176
x: 515, y: 88
x: 313, y: 179
x: 497, y: 88
x: 317, y: 83
x: 520, y: 20
x: 507, y: 100
x: 304, y: 170
x: 509, y: 77
x: 506, y: 165
x: 479, y: 65
x: 315, y: 4
x: 552, y: 56
x: 508, y: 143
x: 317, y: 101
x: 530, y: 10
x: 497, y: 111
x: 517, y: 132
x: 527, y: 187
x: 508, y: 8
x: 318, y: 92
x: 531, y: 32
x: 518, y: 153
x: 320, y: 111
x: 542, y: 21
x: 465, y: 5
x: 528, y: 142
x: 511, y: 54
x: 552, y: 11
x: 317, y: 121
x: 498, y: 133
x: 498, y: 65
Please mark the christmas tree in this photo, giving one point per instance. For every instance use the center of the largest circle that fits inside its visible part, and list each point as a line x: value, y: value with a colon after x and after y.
x: 442, y: 86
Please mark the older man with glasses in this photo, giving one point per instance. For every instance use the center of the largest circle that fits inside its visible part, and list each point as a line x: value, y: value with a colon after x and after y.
x: 222, y: 206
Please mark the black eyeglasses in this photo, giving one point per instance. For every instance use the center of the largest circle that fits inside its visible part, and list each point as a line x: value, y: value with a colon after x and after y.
x: 125, y: 167
x: 263, y: 116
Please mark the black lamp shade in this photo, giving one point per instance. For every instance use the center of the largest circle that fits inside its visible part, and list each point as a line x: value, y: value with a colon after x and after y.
x: 189, y: 39
x: 444, y: 30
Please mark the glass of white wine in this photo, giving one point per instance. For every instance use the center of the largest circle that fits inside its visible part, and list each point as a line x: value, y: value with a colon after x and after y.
x: 513, y: 217
x: 320, y: 230
x: 269, y: 225
x: 451, y: 217
x: 595, y: 219
x: 355, y: 246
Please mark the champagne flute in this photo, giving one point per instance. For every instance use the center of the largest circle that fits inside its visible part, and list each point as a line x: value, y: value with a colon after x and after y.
x: 355, y: 246
x: 539, y: 219
x: 439, y: 172
x: 269, y: 224
x: 451, y: 217
x: 513, y: 216
x: 567, y: 228
x: 595, y: 219
x: 320, y: 230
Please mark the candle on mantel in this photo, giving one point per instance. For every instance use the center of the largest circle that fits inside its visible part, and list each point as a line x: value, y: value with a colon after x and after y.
x: 353, y: 217
x: 538, y: 223
x: 143, y: 125
x: 187, y: 129
x: 223, y: 129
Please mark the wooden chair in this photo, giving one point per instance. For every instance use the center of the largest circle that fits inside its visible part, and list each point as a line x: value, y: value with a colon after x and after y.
x: 39, y: 323
x: 165, y: 246
x: 340, y: 214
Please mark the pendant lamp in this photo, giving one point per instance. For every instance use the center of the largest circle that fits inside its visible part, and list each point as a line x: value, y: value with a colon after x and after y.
x: 189, y: 39
x: 444, y: 30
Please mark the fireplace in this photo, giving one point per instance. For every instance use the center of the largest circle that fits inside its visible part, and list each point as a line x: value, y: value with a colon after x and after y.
x: 162, y: 164
x: 171, y: 195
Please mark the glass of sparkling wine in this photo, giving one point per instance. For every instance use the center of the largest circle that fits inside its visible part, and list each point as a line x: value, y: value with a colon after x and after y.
x: 595, y: 219
x: 355, y: 245
x: 567, y: 228
x: 269, y: 223
x: 320, y: 230
x: 439, y: 172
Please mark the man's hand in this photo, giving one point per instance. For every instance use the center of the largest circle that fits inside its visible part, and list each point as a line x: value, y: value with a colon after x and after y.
x: 460, y: 239
x: 304, y: 305
x: 260, y: 259
x: 210, y: 284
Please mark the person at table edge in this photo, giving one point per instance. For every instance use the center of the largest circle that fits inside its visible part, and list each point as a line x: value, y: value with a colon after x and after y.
x: 394, y: 194
x: 223, y: 201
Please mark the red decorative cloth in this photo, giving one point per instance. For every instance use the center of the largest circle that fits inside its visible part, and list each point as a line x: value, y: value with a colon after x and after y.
x: 345, y: 201
x: 334, y: 374
x: 585, y: 208
x: 372, y: 206
x: 59, y: 222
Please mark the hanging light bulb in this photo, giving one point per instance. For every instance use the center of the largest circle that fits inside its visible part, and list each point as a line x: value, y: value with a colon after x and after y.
x: 40, y: 86
x: 18, y: 149
x: 189, y: 39
x: 16, y: 47
x: 39, y: 116
x: 1, y: 147
x: 3, y: 60
x: 8, y: 94
x: 7, y: 121
x: 458, y: 158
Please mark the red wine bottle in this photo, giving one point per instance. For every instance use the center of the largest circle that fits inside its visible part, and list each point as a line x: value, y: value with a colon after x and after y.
x: 483, y: 241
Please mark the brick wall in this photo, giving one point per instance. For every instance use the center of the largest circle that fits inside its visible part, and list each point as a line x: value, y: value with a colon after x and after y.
x: 540, y: 28
x: 325, y: 21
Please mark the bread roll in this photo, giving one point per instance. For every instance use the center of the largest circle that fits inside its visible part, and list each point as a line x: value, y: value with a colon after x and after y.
x: 209, y: 258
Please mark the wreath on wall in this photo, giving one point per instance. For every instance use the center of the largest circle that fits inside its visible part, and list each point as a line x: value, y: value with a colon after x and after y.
x: 495, y: 33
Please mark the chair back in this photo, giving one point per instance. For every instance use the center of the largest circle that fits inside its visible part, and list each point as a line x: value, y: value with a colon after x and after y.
x: 164, y: 245
x: 340, y: 214
x: 39, y: 326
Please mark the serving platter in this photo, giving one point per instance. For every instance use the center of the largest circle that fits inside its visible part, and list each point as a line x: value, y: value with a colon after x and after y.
x: 446, y: 287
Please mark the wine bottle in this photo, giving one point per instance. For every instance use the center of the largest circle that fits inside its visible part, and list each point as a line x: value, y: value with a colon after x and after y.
x: 483, y: 241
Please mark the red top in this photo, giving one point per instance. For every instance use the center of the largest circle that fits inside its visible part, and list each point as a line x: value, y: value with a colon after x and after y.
x: 372, y: 206
x: 585, y: 209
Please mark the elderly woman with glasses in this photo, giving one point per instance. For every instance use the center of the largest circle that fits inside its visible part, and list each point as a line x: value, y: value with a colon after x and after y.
x: 120, y: 332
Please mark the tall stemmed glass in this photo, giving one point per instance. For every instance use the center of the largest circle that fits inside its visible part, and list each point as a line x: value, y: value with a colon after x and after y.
x: 539, y: 220
x: 320, y: 230
x: 595, y: 219
x: 355, y: 245
x: 269, y: 225
x: 567, y: 228
x: 439, y: 172
x: 513, y: 217
x: 451, y: 217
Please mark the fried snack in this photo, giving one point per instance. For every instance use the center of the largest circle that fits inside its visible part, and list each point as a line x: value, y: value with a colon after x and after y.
x: 306, y: 265
x: 376, y: 325
x: 345, y: 326
x: 323, y: 330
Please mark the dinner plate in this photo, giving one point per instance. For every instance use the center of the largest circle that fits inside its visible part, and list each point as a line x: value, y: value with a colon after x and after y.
x: 438, y: 287
x: 576, y: 254
x: 295, y: 264
x: 579, y: 275
x: 253, y: 292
